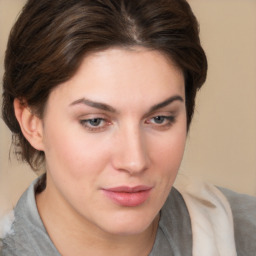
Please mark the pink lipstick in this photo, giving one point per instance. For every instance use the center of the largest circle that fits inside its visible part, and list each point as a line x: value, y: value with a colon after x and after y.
x: 128, y: 196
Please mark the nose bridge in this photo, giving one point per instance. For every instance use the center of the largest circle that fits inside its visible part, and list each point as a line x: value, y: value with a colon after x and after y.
x: 131, y: 151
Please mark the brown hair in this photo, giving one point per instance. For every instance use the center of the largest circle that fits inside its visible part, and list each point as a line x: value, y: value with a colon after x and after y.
x: 50, y: 39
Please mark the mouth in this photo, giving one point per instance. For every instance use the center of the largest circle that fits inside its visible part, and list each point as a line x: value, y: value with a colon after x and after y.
x: 128, y: 196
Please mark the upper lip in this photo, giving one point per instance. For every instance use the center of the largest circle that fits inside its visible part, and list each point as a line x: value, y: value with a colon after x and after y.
x: 127, y: 189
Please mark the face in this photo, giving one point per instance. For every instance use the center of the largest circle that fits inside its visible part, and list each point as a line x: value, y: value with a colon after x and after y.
x: 114, y: 137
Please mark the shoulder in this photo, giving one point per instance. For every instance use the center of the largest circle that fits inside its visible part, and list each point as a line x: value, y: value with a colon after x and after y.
x: 174, y: 235
x: 244, y: 216
x: 27, y: 235
x: 15, y: 238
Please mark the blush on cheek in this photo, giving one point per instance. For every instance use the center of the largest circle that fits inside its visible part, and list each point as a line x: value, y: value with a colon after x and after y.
x: 171, y: 150
x: 77, y: 160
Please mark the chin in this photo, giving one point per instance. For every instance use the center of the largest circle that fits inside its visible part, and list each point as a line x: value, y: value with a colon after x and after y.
x: 128, y: 224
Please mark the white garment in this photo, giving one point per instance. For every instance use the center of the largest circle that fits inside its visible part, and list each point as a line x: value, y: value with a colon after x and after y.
x: 211, y: 219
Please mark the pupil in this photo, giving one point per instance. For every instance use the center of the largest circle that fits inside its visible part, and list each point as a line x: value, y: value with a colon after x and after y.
x: 95, y: 122
x: 159, y: 119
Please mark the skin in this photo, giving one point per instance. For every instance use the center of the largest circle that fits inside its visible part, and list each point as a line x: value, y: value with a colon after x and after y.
x: 90, y: 147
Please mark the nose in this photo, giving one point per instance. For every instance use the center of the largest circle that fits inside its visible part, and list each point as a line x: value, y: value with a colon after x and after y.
x: 130, y: 151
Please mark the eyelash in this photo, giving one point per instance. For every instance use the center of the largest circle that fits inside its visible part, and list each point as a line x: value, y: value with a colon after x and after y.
x: 166, y: 121
x: 94, y: 128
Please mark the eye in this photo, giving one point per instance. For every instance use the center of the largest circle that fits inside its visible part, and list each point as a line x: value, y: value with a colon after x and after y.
x: 94, y: 121
x: 161, y: 121
x: 95, y: 124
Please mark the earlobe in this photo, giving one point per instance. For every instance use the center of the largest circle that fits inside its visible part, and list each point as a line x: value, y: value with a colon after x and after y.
x: 30, y: 124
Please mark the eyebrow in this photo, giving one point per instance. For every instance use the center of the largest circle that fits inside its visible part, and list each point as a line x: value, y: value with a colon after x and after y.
x: 166, y: 103
x: 94, y: 104
x: 109, y: 108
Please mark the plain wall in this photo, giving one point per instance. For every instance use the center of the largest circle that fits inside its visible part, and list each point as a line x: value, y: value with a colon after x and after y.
x: 221, y: 144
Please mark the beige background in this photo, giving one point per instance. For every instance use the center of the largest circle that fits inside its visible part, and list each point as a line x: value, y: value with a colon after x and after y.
x: 222, y: 142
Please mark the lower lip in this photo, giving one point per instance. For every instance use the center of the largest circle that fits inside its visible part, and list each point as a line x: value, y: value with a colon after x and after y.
x: 128, y: 199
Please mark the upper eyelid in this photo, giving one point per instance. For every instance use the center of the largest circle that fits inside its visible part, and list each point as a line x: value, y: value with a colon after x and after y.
x: 93, y: 116
x: 170, y: 109
x: 168, y: 117
x: 162, y: 113
x: 110, y: 119
x: 166, y: 111
x: 87, y: 120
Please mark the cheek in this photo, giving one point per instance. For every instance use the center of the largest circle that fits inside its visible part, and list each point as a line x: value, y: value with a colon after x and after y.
x: 169, y: 150
x: 72, y: 152
x: 167, y: 155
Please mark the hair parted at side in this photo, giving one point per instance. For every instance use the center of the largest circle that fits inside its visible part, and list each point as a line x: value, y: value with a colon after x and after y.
x: 50, y: 39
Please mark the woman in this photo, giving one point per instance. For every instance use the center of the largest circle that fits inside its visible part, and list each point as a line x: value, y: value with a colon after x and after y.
x: 100, y: 94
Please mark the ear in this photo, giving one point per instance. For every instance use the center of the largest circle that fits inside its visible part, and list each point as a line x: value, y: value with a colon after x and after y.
x: 31, y: 125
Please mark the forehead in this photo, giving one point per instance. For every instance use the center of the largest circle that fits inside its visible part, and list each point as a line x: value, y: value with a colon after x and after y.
x: 129, y: 74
